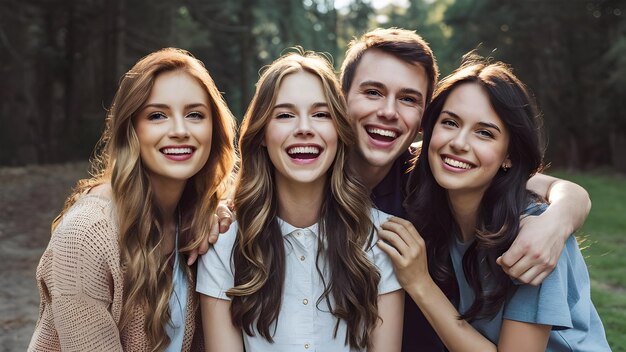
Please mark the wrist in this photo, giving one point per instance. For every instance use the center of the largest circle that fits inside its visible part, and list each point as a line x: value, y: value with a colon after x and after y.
x: 420, y: 289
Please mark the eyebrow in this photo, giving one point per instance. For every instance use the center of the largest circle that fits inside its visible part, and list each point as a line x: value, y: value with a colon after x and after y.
x: 165, y: 106
x: 292, y: 106
x: 382, y: 86
x: 481, y: 123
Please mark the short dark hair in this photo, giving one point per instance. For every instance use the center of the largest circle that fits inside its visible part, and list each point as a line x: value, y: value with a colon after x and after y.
x: 404, y: 44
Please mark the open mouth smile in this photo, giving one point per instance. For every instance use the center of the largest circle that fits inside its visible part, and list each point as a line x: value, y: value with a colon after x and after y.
x: 457, y: 164
x: 380, y: 134
x: 304, y: 152
x: 178, y: 153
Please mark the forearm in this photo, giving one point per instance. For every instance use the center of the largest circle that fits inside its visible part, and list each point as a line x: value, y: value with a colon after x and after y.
x: 569, y: 203
x: 457, y: 335
x: 82, y: 323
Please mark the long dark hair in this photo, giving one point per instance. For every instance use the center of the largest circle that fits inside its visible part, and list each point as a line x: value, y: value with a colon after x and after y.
x: 259, y: 254
x: 504, y: 200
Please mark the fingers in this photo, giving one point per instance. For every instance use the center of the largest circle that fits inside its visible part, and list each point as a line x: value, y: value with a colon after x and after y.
x: 512, y: 256
x: 526, y: 272
x: 224, y: 216
x: 404, y: 229
x: 193, y: 255
x: 214, y: 232
x: 224, y: 223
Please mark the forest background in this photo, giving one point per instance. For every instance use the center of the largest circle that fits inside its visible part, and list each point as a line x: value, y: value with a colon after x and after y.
x: 61, y: 61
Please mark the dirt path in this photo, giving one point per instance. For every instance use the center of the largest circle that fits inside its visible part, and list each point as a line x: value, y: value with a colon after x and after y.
x: 30, y: 197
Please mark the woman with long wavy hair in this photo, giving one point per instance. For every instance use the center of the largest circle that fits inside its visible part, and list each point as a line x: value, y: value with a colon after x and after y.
x: 299, y: 268
x: 467, y: 196
x: 112, y: 277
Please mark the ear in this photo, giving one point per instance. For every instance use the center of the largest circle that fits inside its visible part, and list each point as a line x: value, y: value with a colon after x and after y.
x: 507, y: 164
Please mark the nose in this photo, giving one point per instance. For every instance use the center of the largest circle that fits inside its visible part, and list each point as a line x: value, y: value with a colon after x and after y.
x: 459, y: 142
x: 179, y: 128
x: 304, y: 127
x: 388, y: 109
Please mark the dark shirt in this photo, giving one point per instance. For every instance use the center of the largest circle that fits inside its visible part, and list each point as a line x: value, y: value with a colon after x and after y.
x: 388, y: 196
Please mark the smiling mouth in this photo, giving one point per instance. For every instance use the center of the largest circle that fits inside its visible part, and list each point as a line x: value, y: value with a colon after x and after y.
x: 308, y: 152
x: 458, y: 164
x: 176, y: 151
x: 381, y: 134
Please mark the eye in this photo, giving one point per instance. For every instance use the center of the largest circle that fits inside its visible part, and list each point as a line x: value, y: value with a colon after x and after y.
x: 450, y: 123
x: 194, y: 115
x: 411, y: 100
x: 485, y: 133
x: 373, y: 93
x: 156, y: 116
x: 322, y: 115
x: 284, y: 115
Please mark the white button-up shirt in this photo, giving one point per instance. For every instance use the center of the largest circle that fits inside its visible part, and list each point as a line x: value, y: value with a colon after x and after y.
x: 303, y: 324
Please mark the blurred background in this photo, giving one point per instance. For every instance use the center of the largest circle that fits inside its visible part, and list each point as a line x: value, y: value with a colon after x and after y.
x: 61, y: 61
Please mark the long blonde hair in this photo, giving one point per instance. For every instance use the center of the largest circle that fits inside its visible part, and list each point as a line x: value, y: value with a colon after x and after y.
x: 147, y: 275
x: 259, y: 255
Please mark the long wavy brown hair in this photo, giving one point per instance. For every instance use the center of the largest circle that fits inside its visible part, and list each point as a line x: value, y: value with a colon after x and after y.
x: 147, y: 273
x: 345, y: 225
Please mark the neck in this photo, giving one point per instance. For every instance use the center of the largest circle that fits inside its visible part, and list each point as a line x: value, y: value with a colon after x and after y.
x: 370, y: 175
x: 167, y: 196
x: 465, y: 207
x: 299, y: 204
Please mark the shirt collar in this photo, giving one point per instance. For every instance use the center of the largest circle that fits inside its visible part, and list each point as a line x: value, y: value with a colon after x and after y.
x: 287, y: 229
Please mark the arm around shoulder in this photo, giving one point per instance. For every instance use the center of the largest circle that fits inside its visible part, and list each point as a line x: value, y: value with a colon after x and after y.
x: 537, y: 248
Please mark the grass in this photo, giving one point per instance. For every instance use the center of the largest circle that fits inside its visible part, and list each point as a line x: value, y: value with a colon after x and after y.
x: 604, y: 248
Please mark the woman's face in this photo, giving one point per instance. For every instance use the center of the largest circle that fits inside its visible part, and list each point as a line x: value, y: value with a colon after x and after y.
x: 469, y: 141
x: 174, y: 128
x: 300, y: 137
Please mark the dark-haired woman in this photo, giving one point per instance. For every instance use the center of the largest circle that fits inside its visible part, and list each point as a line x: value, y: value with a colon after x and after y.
x: 466, y: 196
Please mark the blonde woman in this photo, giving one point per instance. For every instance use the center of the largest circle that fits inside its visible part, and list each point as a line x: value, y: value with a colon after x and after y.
x: 299, y: 269
x: 113, y: 276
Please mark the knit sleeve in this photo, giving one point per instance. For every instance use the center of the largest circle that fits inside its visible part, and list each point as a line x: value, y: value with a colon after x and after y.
x: 80, y: 283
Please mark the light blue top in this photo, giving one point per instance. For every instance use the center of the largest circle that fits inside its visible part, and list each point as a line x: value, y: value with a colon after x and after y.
x: 178, y: 305
x: 303, y: 325
x: 563, y: 300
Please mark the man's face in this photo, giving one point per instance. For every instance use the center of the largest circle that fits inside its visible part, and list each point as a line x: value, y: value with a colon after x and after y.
x: 385, y: 104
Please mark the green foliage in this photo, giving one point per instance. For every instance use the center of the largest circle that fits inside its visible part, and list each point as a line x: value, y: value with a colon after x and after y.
x: 64, y: 58
x: 604, y: 246
x: 556, y: 49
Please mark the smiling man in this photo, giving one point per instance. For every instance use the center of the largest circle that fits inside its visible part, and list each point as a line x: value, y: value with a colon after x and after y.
x: 388, y: 77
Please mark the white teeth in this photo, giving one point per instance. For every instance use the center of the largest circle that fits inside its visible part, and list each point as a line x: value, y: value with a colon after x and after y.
x: 177, y: 150
x: 457, y: 163
x: 380, y: 131
x: 303, y: 150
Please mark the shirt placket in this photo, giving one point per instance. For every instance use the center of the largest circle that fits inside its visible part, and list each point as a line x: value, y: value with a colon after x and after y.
x: 305, y: 256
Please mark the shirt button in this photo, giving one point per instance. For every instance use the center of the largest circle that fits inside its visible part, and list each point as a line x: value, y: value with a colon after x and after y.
x: 302, y: 258
x: 298, y: 233
x: 305, y: 301
x: 306, y: 345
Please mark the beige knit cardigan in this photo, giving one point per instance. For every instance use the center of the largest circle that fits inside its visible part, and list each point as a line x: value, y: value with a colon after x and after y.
x: 80, y: 284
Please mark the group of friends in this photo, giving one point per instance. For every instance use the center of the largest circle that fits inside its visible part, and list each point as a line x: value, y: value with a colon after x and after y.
x: 347, y: 235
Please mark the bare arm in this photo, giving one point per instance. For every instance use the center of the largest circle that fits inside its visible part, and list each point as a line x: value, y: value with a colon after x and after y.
x: 523, y: 337
x: 219, y: 332
x: 407, y: 251
x: 387, y: 336
x: 536, y: 250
